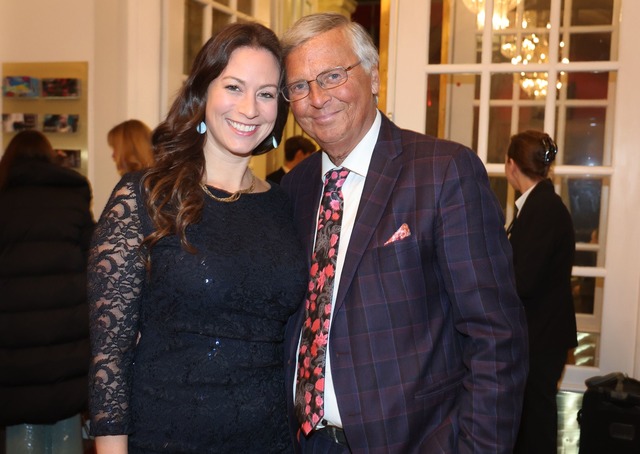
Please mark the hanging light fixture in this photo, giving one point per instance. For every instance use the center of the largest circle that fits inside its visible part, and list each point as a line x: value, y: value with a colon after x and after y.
x: 501, y: 9
x: 530, y: 48
x: 525, y: 48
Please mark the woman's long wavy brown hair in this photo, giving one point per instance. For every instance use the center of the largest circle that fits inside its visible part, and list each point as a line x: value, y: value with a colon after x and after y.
x: 174, y: 199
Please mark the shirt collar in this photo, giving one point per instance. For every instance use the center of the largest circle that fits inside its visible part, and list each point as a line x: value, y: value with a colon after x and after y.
x: 358, y: 160
x: 523, y: 198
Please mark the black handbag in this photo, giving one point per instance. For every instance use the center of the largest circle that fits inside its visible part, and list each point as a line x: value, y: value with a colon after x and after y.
x: 610, y: 415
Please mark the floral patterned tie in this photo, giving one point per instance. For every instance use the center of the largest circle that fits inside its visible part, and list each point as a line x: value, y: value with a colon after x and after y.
x: 315, y: 330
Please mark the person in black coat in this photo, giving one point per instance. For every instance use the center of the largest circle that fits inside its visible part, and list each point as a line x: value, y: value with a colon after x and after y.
x: 543, y: 242
x: 296, y: 148
x: 45, y: 230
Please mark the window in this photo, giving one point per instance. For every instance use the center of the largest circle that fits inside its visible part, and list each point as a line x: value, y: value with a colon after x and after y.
x: 530, y: 64
x: 202, y: 18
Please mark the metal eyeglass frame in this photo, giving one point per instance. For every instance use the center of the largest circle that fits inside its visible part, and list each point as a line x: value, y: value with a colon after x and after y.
x: 320, y: 80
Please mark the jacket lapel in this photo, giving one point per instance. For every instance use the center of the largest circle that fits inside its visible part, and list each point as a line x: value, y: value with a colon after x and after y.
x: 382, y: 175
x: 307, y: 203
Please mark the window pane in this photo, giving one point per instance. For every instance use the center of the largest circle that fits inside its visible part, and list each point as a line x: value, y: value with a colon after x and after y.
x: 192, y: 33
x: 245, y: 6
x: 591, y: 13
x: 450, y: 112
x: 585, y: 198
x: 536, y: 14
x: 590, y: 47
x: 520, y: 33
x: 219, y: 20
x: 457, y: 25
x: 502, y: 86
x: 583, y: 289
x: 499, y: 133
x: 433, y: 103
x: 584, y: 137
x: 435, y: 33
x: 582, y: 85
x: 586, y: 353
x: 500, y: 187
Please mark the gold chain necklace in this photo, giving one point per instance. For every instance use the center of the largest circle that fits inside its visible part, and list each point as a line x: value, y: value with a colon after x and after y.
x: 233, y: 197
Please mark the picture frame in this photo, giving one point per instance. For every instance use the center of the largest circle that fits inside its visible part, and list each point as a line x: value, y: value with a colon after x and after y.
x: 60, y: 123
x: 16, y: 122
x: 69, y: 158
x: 60, y: 87
x: 20, y: 87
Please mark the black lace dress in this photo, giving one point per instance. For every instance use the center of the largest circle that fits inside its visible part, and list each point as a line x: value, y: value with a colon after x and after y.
x: 189, y: 357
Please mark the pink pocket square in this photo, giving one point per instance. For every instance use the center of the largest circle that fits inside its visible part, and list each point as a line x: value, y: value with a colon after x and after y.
x: 400, y: 234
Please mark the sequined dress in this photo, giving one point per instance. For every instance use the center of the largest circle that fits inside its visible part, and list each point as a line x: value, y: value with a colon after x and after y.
x: 189, y: 357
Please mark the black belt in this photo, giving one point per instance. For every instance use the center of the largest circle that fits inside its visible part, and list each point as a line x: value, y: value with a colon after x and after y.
x: 334, y: 433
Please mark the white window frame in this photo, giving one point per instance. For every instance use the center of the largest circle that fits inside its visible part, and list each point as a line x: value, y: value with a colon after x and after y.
x: 618, y: 318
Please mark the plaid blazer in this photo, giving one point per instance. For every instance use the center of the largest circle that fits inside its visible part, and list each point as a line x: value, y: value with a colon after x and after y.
x: 428, y: 340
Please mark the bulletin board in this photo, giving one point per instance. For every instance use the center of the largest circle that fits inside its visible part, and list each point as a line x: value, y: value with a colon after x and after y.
x: 52, y: 98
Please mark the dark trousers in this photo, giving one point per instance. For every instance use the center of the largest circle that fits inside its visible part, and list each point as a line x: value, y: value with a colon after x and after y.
x: 318, y: 443
x: 539, y: 424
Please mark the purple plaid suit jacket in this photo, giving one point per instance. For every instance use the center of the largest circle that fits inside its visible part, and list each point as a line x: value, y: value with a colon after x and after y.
x: 428, y: 341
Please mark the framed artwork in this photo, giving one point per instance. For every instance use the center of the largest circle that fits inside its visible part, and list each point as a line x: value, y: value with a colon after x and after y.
x: 69, y: 158
x: 15, y: 122
x: 60, y: 88
x: 50, y: 97
x: 64, y: 123
x: 20, y: 87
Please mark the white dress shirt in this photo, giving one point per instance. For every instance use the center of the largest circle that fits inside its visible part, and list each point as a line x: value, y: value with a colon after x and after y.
x: 358, y: 163
x: 523, y: 198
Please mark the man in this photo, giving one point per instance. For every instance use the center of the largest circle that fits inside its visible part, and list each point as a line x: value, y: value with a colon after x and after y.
x: 296, y: 148
x: 427, y: 342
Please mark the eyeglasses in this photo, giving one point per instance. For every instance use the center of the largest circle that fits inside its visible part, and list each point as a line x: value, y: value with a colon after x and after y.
x: 326, y: 80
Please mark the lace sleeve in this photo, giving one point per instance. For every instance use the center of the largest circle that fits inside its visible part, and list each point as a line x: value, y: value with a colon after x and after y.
x: 115, y: 276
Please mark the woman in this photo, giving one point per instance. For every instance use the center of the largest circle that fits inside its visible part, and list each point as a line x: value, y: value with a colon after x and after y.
x: 45, y: 228
x: 543, y: 242
x: 131, y: 145
x: 195, y: 270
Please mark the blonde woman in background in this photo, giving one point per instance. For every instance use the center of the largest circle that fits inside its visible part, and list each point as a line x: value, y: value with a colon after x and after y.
x: 131, y: 144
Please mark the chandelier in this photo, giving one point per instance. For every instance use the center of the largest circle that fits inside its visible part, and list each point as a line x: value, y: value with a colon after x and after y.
x: 501, y: 9
x: 521, y: 48
x: 530, y: 48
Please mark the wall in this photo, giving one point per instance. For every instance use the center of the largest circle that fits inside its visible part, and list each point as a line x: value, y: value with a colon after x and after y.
x: 46, y: 31
x: 126, y: 74
x: 120, y: 41
x: 621, y: 318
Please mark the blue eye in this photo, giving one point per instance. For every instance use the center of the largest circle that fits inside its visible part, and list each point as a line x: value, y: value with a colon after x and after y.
x: 332, y: 76
x: 298, y: 86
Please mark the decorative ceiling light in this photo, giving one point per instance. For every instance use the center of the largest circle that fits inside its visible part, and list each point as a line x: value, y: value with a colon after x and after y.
x: 501, y: 9
x: 530, y: 48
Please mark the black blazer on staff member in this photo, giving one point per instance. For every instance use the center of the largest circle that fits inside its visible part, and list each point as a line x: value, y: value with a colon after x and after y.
x: 543, y: 242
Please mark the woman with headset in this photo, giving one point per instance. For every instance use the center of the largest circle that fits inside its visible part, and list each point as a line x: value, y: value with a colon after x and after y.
x: 543, y: 242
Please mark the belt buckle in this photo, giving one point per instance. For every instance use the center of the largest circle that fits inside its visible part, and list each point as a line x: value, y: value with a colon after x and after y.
x: 333, y: 433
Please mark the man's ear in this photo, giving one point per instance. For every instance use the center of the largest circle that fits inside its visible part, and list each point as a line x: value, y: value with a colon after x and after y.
x: 375, y: 81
